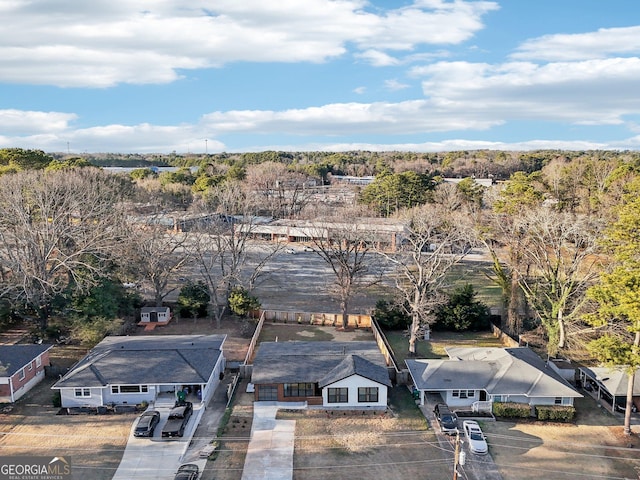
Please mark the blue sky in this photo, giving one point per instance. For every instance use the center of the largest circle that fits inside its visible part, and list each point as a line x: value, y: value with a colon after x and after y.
x: 304, y: 75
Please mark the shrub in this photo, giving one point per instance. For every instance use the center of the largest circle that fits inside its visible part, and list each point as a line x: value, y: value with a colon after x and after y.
x: 391, y: 317
x: 555, y: 413
x: 56, y: 399
x: 511, y: 410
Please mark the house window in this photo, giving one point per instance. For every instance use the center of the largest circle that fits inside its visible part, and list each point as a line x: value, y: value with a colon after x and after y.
x: 267, y: 393
x: 21, y: 374
x: 558, y: 401
x: 455, y: 393
x: 463, y: 393
x: 82, y: 392
x: 129, y: 389
x: 30, y: 366
x: 337, y: 395
x: 299, y: 389
x: 38, y: 361
x: 367, y: 394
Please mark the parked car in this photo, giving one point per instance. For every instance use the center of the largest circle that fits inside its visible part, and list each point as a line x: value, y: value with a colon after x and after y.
x: 188, y: 471
x: 475, y: 437
x: 178, y: 419
x: 290, y: 251
x: 147, y: 424
x: 306, y: 248
x: 446, y: 418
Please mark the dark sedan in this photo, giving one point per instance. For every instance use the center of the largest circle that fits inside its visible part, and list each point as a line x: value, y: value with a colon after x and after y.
x: 188, y: 471
x: 147, y: 424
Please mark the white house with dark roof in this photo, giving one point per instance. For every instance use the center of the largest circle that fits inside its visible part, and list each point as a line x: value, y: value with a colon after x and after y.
x: 127, y: 370
x: 332, y: 374
x: 476, y: 377
x: 22, y: 367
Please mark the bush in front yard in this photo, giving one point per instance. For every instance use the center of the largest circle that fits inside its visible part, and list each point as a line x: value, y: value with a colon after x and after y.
x: 555, y: 413
x: 511, y: 410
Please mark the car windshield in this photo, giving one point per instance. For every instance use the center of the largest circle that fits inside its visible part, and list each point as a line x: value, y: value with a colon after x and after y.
x: 448, y: 418
x: 475, y: 436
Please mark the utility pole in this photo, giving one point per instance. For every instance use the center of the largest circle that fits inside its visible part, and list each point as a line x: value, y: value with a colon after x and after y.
x: 459, y: 457
x: 456, y: 457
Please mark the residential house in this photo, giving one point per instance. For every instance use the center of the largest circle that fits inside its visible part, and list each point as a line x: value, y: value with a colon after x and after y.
x: 609, y: 385
x: 127, y: 370
x: 332, y: 374
x: 476, y: 377
x: 22, y: 367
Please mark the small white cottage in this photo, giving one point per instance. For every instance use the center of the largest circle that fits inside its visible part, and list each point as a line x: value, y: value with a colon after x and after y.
x: 155, y: 315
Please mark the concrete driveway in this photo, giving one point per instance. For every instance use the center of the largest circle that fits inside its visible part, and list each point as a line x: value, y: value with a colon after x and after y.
x: 477, y: 467
x: 157, y: 458
x: 270, y: 451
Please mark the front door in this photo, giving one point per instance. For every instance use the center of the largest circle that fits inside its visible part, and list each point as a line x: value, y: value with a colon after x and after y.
x: 483, y: 396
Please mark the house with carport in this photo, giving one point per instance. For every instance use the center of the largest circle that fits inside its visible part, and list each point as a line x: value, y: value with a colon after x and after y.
x: 22, y: 367
x: 351, y: 375
x: 609, y: 385
x: 128, y: 370
x: 474, y: 378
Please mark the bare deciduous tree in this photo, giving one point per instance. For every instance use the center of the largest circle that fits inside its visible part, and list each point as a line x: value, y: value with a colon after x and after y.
x: 58, y: 230
x: 436, y: 241
x: 345, y: 246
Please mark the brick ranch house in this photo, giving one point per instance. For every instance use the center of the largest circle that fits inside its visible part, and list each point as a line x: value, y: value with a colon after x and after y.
x: 22, y: 367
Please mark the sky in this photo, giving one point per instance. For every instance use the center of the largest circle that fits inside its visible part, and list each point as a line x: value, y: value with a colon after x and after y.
x: 211, y: 76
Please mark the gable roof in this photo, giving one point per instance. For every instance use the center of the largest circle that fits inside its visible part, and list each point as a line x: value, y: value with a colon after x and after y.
x: 313, y: 362
x: 153, y: 359
x: 498, y: 371
x: 14, y: 357
x: 356, y: 365
x: 614, y: 380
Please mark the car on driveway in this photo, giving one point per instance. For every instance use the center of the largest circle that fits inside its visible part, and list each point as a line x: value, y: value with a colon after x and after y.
x: 446, y: 418
x: 188, y: 471
x: 475, y: 437
x: 147, y: 424
x: 178, y: 419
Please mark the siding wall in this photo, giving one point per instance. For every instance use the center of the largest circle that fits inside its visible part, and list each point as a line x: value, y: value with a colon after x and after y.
x: 353, y: 383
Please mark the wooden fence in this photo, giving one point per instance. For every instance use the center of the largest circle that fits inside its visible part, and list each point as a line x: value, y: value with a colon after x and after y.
x: 309, y: 318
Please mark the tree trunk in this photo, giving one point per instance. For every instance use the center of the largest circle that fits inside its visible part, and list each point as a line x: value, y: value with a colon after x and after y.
x: 561, y: 330
x: 413, y: 334
x: 514, y: 323
x: 345, y: 315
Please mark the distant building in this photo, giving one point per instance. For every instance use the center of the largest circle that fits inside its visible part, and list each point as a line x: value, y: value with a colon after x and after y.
x: 22, y: 367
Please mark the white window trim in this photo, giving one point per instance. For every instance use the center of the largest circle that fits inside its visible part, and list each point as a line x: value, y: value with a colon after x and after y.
x: 115, y: 389
x: 38, y: 361
x: 83, y: 392
x: 21, y: 374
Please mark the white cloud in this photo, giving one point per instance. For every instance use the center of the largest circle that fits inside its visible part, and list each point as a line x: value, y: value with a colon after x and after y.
x: 595, y: 92
x: 377, y: 58
x: 394, y: 85
x: 581, y: 46
x: 103, y: 43
x: 16, y: 122
x: 360, y: 90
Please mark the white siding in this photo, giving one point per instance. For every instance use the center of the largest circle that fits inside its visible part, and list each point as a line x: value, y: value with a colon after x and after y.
x: 352, y: 383
x: 464, y: 401
x: 69, y: 399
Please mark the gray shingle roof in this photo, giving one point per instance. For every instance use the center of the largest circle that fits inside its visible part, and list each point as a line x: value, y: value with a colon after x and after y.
x: 499, y: 371
x: 14, y: 357
x: 154, y: 359
x: 356, y: 365
x: 613, y: 379
x: 311, y: 362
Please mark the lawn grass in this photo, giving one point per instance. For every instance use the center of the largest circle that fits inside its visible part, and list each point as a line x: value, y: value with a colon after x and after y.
x: 479, y: 275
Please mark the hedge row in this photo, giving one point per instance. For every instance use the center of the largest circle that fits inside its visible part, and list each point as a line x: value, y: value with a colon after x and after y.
x: 556, y: 413
x: 511, y: 410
